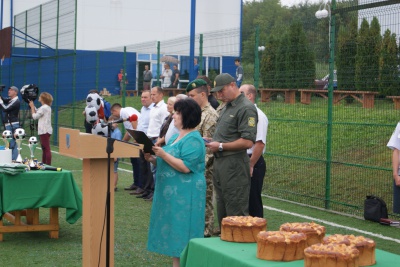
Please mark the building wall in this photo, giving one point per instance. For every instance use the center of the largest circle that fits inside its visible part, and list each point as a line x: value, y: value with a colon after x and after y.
x: 104, y: 24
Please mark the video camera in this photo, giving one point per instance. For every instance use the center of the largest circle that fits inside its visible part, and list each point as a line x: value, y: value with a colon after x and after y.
x: 29, y: 92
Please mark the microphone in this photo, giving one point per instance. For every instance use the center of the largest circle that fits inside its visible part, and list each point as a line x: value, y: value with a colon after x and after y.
x: 133, y: 117
x: 50, y: 168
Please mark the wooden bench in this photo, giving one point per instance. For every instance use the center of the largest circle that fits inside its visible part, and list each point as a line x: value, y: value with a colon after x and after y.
x: 129, y: 92
x: 173, y: 91
x: 267, y: 93
x: 32, y: 223
x: 396, y: 101
x: 367, y: 97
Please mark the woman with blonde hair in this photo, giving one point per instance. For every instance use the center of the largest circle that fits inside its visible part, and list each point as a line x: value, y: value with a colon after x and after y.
x: 43, y: 114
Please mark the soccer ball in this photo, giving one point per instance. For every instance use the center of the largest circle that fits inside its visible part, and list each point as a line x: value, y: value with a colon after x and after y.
x: 19, y: 133
x: 100, y: 129
x: 94, y: 100
x: 7, y: 134
x: 91, y: 114
x: 33, y: 140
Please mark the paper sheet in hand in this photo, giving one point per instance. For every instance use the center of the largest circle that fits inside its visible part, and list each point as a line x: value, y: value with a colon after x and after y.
x: 142, y: 138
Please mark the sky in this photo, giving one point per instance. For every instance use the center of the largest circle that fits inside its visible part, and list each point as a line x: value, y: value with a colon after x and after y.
x: 289, y: 2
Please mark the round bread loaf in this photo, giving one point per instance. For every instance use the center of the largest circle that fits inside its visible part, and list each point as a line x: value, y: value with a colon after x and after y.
x: 314, y: 232
x: 280, y: 245
x: 331, y: 255
x: 365, y: 246
x: 242, y: 228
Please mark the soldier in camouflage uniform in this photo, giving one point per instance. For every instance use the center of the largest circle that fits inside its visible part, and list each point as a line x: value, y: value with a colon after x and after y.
x: 198, y: 91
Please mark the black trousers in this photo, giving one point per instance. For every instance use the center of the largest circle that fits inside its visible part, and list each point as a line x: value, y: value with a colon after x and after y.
x: 147, y: 175
x: 137, y: 178
x: 257, y: 180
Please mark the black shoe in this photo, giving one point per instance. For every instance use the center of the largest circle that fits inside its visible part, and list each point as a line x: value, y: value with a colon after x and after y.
x: 131, y: 187
x: 145, y: 194
x: 149, y: 196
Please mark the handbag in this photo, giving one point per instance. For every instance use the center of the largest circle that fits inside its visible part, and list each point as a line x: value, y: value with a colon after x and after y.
x: 375, y: 208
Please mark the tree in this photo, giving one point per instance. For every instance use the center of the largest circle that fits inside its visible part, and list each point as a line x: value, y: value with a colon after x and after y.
x: 346, y: 55
x: 300, y: 60
x: 376, y: 44
x: 389, y: 75
x: 362, y: 56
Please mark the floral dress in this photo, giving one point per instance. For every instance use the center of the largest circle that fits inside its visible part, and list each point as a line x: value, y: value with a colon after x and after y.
x: 178, y: 208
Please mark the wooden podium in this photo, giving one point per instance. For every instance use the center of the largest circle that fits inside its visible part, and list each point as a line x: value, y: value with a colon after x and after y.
x: 92, y: 149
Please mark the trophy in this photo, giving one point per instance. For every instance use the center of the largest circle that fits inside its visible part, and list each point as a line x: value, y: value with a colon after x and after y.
x: 32, y: 146
x: 7, y: 137
x: 19, y: 135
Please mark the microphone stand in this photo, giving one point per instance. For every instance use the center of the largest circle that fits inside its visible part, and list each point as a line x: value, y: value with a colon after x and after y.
x: 109, y: 150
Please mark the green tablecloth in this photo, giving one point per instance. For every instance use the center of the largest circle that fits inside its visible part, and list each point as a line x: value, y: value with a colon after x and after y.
x: 213, y: 252
x: 35, y: 189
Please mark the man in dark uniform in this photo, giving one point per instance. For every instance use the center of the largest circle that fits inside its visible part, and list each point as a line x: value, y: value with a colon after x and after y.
x: 235, y: 132
x: 10, y: 107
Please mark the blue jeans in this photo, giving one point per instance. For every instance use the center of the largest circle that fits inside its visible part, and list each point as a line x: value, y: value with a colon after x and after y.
x: 13, y: 144
x: 238, y: 83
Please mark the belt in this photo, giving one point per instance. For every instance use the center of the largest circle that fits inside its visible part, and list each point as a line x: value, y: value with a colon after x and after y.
x: 13, y: 123
x: 153, y: 138
x: 227, y: 153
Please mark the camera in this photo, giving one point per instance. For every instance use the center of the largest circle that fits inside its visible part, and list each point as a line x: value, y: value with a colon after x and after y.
x: 29, y: 92
x: 2, y: 86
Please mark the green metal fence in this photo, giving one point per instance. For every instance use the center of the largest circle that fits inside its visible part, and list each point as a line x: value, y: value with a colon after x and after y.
x: 327, y: 154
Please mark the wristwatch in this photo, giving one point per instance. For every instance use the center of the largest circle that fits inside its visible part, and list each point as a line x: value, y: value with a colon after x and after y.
x: 220, y: 148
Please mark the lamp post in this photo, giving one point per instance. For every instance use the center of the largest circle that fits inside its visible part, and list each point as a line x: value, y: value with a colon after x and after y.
x: 257, y: 49
x: 320, y: 14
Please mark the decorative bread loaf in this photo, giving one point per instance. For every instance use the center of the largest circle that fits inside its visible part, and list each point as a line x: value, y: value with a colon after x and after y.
x: 314, y: 232
x: 280, y: 245
x: 242, y: 228
x: 331, y: 255
x: 365, y: 246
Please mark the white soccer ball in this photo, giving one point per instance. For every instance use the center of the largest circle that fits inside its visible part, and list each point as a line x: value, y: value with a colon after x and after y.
x: 33, y: 140
x: 91, y: 114
x: 7, y: 134
x: 100, y: 129
x: 94, y: 100
x: 19, y: 133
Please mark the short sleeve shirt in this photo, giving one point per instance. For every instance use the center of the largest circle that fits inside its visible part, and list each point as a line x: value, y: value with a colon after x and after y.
x: 125, y: 113
x: 237, y: 120
x: 394, y: 142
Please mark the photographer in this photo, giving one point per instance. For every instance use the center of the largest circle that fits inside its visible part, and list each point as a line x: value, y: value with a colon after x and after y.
x: 10, y: 107
x: 43, y: 114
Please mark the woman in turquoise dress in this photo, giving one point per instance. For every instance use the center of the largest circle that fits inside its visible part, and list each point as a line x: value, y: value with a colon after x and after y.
x: 178, y: 209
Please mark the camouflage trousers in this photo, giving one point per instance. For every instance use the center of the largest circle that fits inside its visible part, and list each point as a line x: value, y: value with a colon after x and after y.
x: 209, y: 216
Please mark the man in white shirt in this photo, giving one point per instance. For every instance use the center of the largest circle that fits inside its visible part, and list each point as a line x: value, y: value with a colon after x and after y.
x: 125, y: 113
x: 257, y: 162
x: 143, y: 125
x: 157, y: 114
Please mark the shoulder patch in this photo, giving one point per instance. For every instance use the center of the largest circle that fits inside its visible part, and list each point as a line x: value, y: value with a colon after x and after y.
x: 251, y: 121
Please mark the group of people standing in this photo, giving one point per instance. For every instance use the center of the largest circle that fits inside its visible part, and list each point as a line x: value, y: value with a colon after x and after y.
x: 201, y: 148
x: 10, y: 108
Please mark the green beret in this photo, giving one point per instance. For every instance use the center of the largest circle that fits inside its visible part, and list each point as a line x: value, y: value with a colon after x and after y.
x: 195, y: 84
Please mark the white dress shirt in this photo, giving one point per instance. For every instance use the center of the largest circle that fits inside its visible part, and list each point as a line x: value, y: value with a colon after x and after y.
x: 262, y: 128
x: 157, y: 116
x: 143, y: 123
